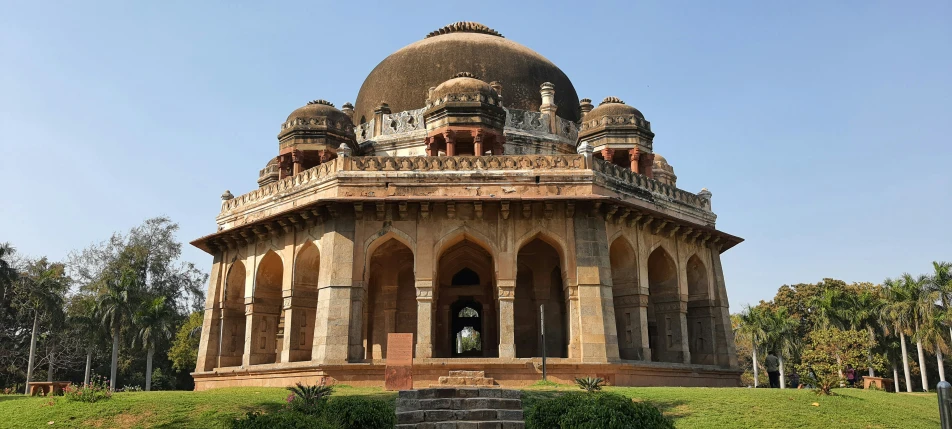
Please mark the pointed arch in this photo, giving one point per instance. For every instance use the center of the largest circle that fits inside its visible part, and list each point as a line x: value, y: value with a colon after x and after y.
x: 626, y: 298
x: 303, y: 303
x: 665, y: 317
x: 465, y: 233
x: 557, y: 243
x: 464, y: 249
x: 391, y: 305
x: 266, y: 310
x: 232, y: 345
x: 540, y: 284
x: 372, y: 243
x: 700, y: 314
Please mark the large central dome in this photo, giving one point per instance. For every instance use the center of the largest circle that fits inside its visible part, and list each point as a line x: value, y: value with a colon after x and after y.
x: 403, y: 79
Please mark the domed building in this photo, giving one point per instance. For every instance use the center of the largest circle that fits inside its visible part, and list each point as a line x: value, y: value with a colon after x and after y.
x: 469, y: 199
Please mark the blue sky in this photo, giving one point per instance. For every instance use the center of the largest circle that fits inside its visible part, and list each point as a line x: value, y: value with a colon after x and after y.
x: 820, y: 127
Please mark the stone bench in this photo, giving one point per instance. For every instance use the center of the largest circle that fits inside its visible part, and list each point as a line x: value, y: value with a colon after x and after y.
x: 43, y: 388
x: 880, y: 383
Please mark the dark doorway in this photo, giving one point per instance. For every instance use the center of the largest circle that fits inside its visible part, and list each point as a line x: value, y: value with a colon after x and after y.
x: 467, y: 327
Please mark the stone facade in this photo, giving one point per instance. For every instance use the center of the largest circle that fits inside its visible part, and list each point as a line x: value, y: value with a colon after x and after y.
x: 461, y: 221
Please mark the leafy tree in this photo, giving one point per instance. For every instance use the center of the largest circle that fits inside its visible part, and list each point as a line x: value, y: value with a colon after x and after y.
x: 829, y: 349
x: 184, y: 351
x: 779, y: 331
x: 753, y: 326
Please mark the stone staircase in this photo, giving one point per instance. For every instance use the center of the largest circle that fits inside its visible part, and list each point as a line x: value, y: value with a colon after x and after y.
x: 465, y: 379
x: 460, y: 408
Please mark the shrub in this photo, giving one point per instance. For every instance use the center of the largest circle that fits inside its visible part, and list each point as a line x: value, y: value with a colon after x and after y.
x: 831, y: 350
x: 601, y: 410
x: 280, y: 420
x: 353, y: 412
x: 308, y: 399
x: 590, y: 384
x: 131, y: 389
x: 97, y: 390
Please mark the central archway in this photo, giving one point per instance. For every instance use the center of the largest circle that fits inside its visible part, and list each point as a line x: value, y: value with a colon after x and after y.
x: 465, y: 279
x: 467, y: 327
x: 539, y: 283
x: 391, y: 300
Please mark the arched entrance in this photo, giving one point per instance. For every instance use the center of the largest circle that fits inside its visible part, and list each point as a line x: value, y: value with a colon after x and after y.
x: 233, y: 317
x: 538, y: 283
x: 266, y: 341
x: 391, y: 297
x: 700, y: 315
x: 467, y: 327
x: 465, y: 279
x: 664, y: 308
x: 629, y: 309
x: 303, y: 303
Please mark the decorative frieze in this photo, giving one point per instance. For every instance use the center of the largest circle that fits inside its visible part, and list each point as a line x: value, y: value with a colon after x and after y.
x: 527, y: 121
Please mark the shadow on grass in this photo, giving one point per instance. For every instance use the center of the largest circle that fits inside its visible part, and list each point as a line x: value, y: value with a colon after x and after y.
x: 674, y: 409
x: 12, y: 397
x: 221, y: 420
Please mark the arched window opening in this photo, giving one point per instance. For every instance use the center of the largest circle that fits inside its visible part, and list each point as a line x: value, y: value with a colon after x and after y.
x: 465, y: 277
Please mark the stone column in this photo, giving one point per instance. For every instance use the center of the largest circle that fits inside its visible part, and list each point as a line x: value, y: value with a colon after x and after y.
x: 723, y: 332
x: 632, y: 317
x: 599, y: 340
x: 299, y: 315
x: 634, y: 156
x: 209, y: 345
x: 478, y: 143
x: 450, y: 143
x: 608, y: 155
x: 357, y: 326
x: 297, y: 161
x: 571, y: 306
x: 548, y: 106
x: 649, y: 164
x: 507, y: 324
x: 700, y: 319
x: 586, y: 150
x: 424, y: 340
x: 335, y: 289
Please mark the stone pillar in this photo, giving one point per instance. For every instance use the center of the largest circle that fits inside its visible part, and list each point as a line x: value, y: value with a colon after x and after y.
x: 585, y: 105
x: 335, y: 289
x: 299, y: 315
x: 507, y: 324
x: 450, y: 143
x: 599, y: 340
x: 574, y: 315
x: 586, y: 150
x: 632, y: 318
x: 478, y: 143
x: 723, y: 332
x: 548, y: 106
x: 701, y: 344
x: 297, y: 161
x: 670, y: 317
x: 382, y: 109
x: 608, y: 154
x: 633, y: 156
x: 357, y: 326
x: 209, y: 346
x: 261, y: 327
x: 424, y: 340
x: 430, y: 146
x: 649, y: 164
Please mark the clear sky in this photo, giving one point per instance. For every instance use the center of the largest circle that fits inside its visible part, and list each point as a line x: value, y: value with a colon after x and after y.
x: 822, y: 128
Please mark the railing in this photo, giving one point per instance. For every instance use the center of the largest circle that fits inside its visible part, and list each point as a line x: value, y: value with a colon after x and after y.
x: 364, y: 131
x: 402, y: 122
x: 526, y: 120
x: 625, y: 176
x: 612, y: 173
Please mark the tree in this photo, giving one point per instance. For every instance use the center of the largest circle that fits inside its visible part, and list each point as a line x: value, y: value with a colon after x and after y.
x: 184, y: 351
x: 941, y: 282
x: 862, y: 313
x: 921, y: 303
x: 155, y: 320
x: 753, y: 326
x: 40, y: 291
x: 779, y: 330
x: 8, y: 272
x: 899, y: 316
x: 829, y: 349
x: 115, y: 305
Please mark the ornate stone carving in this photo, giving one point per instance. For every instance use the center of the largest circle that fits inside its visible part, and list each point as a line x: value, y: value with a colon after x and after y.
x: 526, y: 120
x: 464, y: 27
x: 402, y: 122
x: 364, y: 131
x: 466, y: 163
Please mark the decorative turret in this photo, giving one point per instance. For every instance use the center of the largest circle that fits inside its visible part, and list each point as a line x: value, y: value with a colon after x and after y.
x: 464, y: 116
x: 309, y: 137
x: 663, y: 171
x: 619, y: 133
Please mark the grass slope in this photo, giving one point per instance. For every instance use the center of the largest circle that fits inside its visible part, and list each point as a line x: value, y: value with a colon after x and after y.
x: 690, y: 408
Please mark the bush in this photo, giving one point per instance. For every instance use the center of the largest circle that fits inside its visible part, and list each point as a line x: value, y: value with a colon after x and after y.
x: 308, y: 399
x: 280, y: 420
x: 595, y: 411
x: 97, y: 390
x: 589, y: 384
x: 353, y: 412
x: 346, y: 412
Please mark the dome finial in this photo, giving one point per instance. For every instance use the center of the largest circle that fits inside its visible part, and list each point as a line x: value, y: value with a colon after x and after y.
x: 611, y: 100
x: 321, y: 101
x: 464, y: 27
x: 465, y: 74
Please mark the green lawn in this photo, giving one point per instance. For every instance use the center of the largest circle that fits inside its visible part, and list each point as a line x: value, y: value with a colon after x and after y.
x: 690, y: 408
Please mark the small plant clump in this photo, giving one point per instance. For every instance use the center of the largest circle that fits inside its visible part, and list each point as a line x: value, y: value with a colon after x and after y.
x: 97, y: 390
x: 308, y: 399
x: 578, y: 410
x: 590, y: 384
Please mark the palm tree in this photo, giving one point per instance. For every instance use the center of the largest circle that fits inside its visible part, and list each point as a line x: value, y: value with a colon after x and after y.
x: 862, y: 312
x: 780, y: 329
x: 116, y: 304
x: 156, y: 322
x: 8, y: 272
x: 941, y: 282
x: 932, y: 335
x: 899, y: 316
x: 921, y: 304
x: 752, y: 325
x: 42, y: 288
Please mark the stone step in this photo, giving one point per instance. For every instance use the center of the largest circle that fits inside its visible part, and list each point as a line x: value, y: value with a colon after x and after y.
x: 404, y: 404
x: 486, y: 415
x: 465, y: 425
x: 479, y: 374
x: 465, y: 392
x: 466, y: 381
